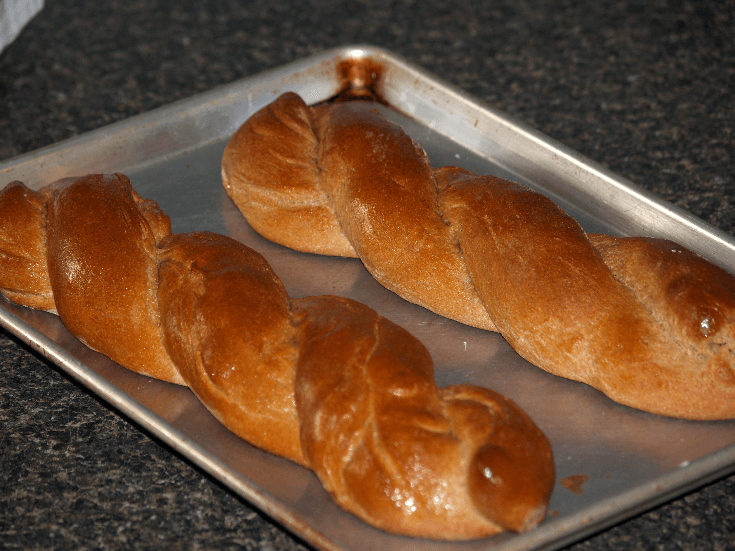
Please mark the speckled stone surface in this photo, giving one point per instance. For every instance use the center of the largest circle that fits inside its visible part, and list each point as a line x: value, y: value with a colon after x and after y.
x: 643, y: 87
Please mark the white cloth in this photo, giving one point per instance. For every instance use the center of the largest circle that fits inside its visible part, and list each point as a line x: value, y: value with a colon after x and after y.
x: 14, y: 14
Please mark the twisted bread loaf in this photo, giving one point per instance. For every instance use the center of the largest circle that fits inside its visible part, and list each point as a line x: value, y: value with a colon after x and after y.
x: 323, y: 381
x: 645, y: 321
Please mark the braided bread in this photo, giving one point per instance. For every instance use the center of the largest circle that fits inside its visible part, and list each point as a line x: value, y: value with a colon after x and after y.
x: 323, y: 381
x: 644, y: 320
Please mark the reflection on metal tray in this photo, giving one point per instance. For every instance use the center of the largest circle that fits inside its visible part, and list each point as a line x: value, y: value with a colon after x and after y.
x: 612, y: 461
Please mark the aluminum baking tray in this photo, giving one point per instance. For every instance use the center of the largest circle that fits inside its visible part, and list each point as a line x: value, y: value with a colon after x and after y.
x: 612, y: 461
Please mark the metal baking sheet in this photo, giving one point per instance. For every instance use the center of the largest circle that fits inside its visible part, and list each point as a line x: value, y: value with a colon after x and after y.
x: 612, y: 461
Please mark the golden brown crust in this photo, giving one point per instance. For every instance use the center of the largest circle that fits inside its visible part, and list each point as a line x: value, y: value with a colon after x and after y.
x: 391, y: 447
x: 692, y: 304
x: 647, y: 322
x: 24, y: 277
x: 597, y: 330
x: 227, y: 325
x: 103, y: 267
x: 381, y: 185
x: 288, y: 150
x: 373, y: 222
x: 325, y: 382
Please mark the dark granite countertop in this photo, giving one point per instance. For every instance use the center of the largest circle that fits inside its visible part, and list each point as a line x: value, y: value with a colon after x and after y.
x: 643, y: 87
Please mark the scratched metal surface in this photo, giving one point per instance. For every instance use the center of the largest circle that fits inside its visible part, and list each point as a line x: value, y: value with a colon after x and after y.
x: 612, y: 461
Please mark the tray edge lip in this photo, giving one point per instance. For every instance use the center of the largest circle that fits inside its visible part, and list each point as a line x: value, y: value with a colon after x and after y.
x: 157, y: 427
x: 618, y: 184
x: 182, y: 104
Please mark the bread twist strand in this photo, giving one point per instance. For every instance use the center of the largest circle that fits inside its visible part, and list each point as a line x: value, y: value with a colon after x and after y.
x: 323, y: 381
x: 647, y: 322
